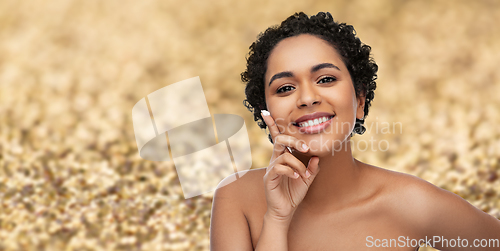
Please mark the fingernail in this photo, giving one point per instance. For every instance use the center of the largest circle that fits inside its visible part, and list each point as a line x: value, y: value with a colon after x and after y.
x: 265, y: 112
x: 307, y: 174
x: 304, y: 146
x: 295, y: 174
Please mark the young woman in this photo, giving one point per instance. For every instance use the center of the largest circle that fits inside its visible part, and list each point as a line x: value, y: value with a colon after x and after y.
x: 310, y: 81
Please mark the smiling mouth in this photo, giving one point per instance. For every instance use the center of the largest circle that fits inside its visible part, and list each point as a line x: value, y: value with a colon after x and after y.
x: 313, y: 122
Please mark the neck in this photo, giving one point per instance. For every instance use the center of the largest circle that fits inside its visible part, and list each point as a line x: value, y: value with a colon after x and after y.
x: 337, y: 183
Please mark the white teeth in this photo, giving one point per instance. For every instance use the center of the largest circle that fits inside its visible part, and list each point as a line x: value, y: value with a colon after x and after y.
x: 314, y: 122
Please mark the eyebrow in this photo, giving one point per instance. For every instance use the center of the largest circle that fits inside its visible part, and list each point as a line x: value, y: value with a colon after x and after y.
x: 289, y: 74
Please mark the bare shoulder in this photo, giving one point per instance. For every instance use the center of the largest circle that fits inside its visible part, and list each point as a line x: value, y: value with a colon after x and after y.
x: 423, y: 205
x: 402, y: 185
x: 242, y: 185
x: 244, y: 191
x: 229, y: 226
x: 407, y: 193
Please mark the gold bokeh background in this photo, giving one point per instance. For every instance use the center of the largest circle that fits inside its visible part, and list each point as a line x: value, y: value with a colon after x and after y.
x: 71, y: 71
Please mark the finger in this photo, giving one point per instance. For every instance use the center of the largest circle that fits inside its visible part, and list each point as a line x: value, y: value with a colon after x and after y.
x: 289, y: 160
x: 312, y: 170
x: 288, y: 141
x: 282, y: 141
x: 278, y: 170
x: 273, y: 178
x: 271, y: 124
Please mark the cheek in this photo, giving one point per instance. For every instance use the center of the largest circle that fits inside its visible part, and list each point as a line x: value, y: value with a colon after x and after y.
x: 342, y: 100
x: 344, y: 105
x: 279, y: 109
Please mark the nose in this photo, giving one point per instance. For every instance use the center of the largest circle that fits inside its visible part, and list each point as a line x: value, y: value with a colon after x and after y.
x: 308, y: 95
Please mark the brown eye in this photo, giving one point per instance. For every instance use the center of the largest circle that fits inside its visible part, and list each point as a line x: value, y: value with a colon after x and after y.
x: 326, y: 80
x: 285, y: 89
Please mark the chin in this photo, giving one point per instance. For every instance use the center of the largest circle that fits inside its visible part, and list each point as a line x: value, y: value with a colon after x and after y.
x: 325, y: 146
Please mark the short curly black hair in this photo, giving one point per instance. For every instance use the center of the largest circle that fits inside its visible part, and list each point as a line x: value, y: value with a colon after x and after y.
x: 355, y: 55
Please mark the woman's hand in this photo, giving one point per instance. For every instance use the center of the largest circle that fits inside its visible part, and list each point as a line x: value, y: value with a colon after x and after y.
x: 287, y: 179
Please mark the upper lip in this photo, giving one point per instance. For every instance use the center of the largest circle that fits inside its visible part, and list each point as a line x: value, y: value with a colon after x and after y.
x: 313, y: 116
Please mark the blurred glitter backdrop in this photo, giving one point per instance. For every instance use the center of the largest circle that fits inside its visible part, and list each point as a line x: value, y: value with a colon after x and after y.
x: 71, y: 71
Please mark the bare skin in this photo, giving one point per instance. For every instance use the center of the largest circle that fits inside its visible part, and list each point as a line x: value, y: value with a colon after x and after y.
x: 340, y: 202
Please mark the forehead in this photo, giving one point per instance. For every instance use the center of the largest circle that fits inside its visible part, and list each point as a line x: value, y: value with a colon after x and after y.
x: 299, y: 53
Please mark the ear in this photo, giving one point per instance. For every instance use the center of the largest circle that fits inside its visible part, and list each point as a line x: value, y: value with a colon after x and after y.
x: 360, y: 110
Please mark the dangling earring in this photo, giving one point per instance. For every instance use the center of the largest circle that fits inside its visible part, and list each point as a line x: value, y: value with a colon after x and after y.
x: 359, y: 128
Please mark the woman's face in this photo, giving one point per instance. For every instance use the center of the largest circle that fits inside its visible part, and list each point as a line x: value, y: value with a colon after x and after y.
x: 309, y: 93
